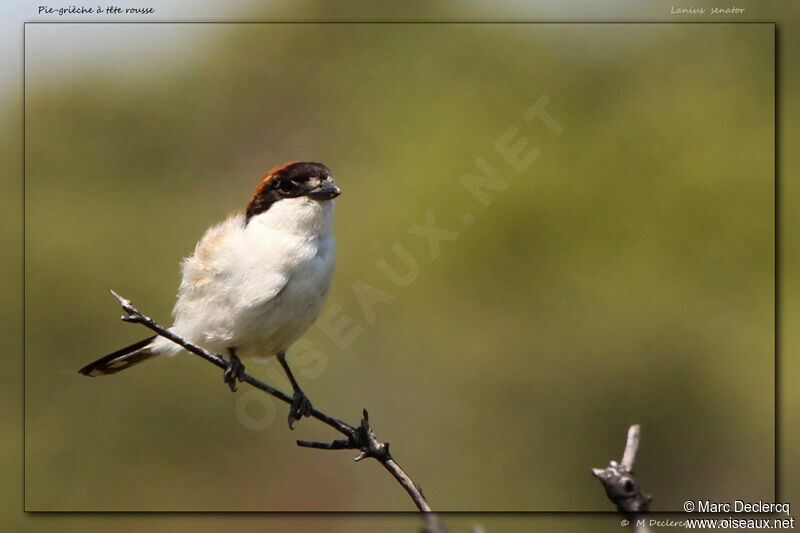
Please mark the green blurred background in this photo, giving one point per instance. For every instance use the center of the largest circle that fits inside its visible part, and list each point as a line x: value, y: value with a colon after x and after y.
x: 625, y: 277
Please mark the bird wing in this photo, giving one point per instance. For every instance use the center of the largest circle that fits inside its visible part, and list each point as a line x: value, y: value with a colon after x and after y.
x: 216, y: 286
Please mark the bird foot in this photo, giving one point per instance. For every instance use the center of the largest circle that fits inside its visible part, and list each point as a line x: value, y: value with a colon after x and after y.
x: 301, y: 406
x: 233, y: 373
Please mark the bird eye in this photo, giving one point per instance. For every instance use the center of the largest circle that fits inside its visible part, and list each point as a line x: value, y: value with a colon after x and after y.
x: 287, y: 186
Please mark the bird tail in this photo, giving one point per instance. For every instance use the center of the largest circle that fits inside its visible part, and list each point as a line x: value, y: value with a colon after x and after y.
x: 121, y: 359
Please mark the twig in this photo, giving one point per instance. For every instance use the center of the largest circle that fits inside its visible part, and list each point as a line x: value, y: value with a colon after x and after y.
x: 358, y: 438
x: 621, y: 485
x: 631, y: 448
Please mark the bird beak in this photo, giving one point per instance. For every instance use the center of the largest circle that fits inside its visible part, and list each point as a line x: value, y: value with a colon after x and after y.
x: 327, y: 190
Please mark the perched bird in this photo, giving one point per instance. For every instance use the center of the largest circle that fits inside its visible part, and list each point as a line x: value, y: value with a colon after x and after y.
x: 255, y: 281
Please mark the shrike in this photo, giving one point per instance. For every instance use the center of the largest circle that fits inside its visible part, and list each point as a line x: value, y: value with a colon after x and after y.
x: 256, y: 281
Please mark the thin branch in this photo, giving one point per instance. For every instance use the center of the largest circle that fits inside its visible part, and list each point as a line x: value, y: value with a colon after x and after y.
x: 631, y: 448
x: 621, y: 485
x: 358, y: 438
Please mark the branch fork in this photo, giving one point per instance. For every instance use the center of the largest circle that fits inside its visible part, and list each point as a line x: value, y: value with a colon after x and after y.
x: 363, y: 439
x: 620, y: 483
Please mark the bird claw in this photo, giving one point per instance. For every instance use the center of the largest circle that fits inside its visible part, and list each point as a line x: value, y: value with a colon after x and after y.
x: 301, y: 406
x: 233, y: 373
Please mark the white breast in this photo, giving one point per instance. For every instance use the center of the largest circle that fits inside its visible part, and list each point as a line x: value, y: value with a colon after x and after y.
x: 258, y: 287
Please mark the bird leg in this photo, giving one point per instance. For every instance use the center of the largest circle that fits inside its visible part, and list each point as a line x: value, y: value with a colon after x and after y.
x: 301, y: 406
x: 234, y: 371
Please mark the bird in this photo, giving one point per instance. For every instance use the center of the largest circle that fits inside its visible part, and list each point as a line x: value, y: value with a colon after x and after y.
x: 255, y: 281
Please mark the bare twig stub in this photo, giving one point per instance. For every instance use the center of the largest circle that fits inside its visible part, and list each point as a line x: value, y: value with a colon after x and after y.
x: 620, y: 483
x: 357, y: 438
